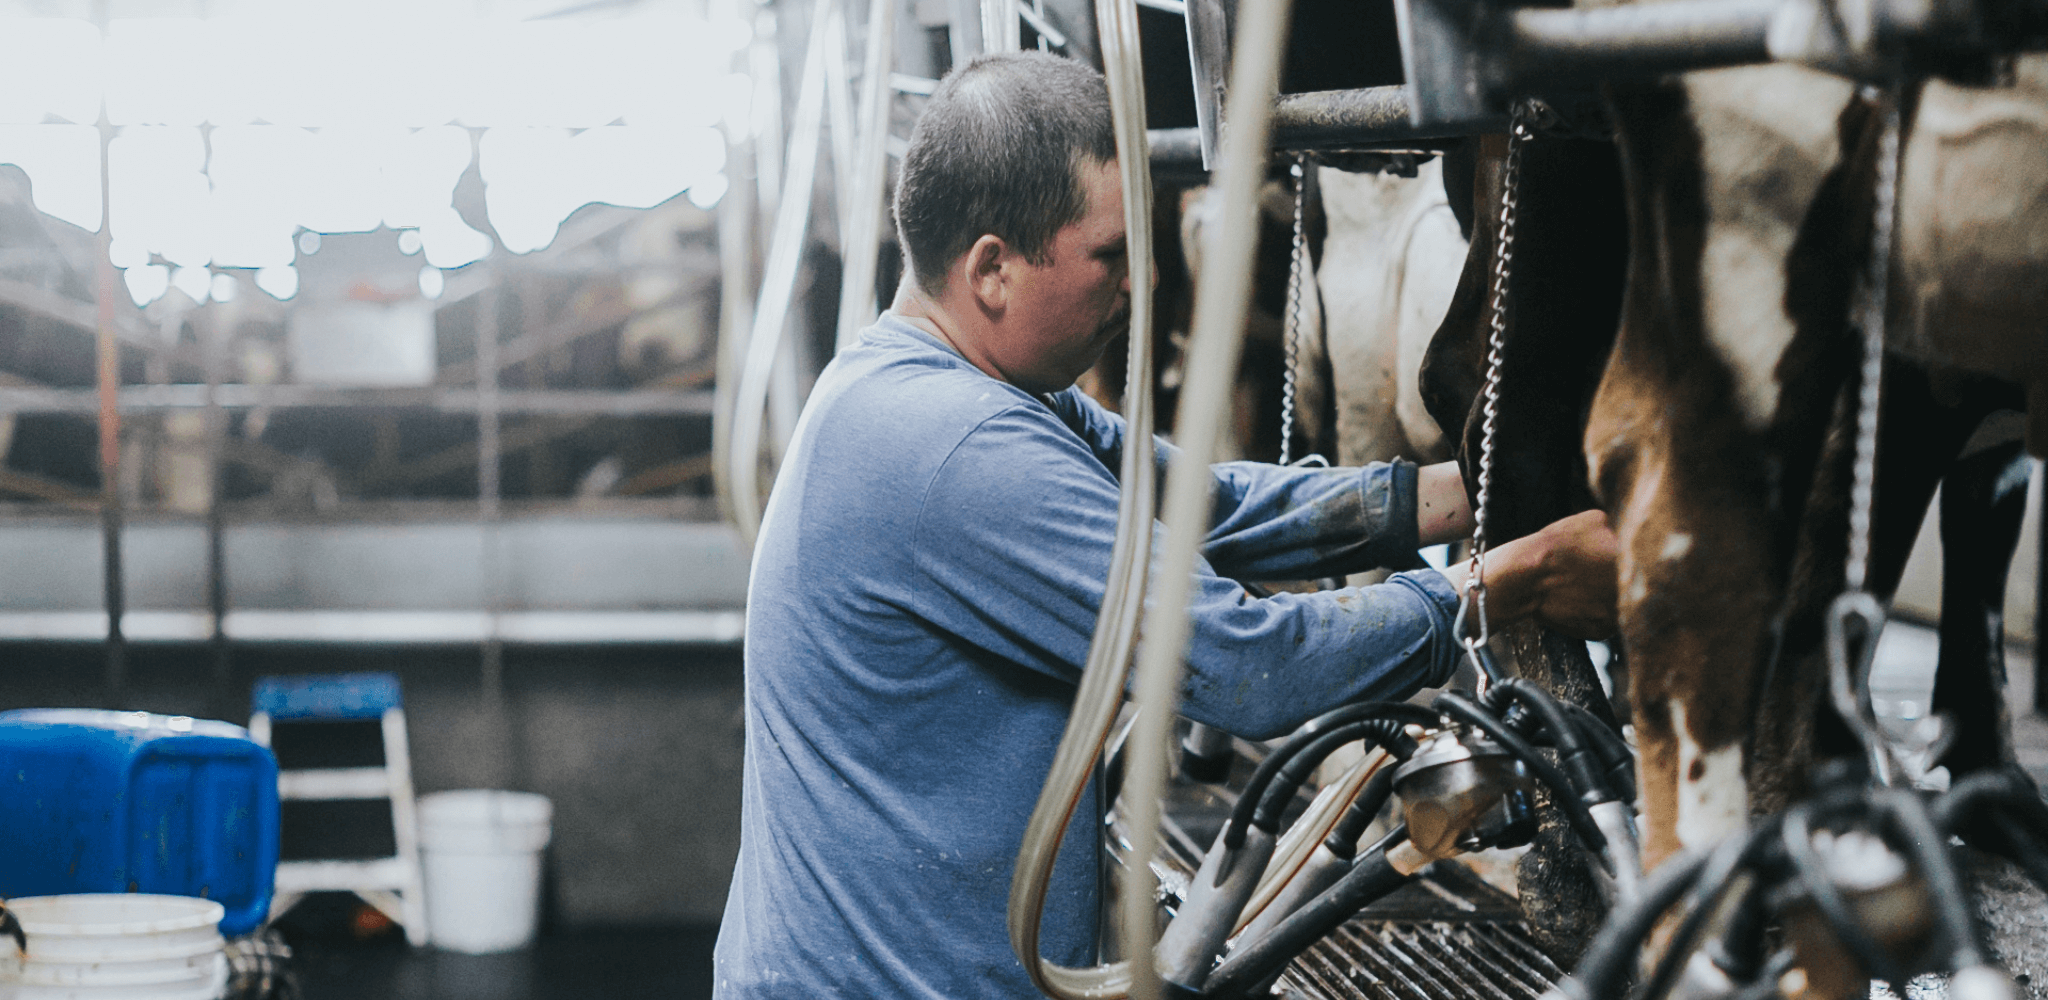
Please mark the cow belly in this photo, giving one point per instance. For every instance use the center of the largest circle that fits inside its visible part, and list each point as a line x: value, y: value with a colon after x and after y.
x: 1973, y: 227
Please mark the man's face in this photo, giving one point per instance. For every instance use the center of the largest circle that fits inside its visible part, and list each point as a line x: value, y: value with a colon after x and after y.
x: 1064, y: 312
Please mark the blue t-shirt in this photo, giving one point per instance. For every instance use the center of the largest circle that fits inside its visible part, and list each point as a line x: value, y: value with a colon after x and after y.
x: 926, y: 582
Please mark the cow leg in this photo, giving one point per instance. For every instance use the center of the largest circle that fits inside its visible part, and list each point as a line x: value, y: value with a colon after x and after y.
x: 1565, y: 293
x: 1983, y: 499
x: 1705, y: 437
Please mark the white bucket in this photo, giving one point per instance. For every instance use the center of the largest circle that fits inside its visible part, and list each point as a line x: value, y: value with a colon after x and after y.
x: 480, y: 854
x: 105, y: 946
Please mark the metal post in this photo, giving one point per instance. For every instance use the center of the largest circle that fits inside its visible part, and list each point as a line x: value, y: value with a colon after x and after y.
x: 109, y: 357
x: 999, y: 31
x: 735, y: 298
x: 861, y: 239
x: 213, y: 328
x: 488, y: 488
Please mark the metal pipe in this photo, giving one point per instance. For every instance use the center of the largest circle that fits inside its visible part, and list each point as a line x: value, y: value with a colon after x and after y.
x: 108, y: 350
x: 1322, y: 119
x: 443, y: 399
x: 840, y: 114
x: 488, y: 486
x: 999, y: 27
x: 778, y: 288
x: 1562, y: 44
x: 735, y: 308
x: 1177, y: 156
x: 862, y: 242
x: 1214, y: 350
x: 212, y: 331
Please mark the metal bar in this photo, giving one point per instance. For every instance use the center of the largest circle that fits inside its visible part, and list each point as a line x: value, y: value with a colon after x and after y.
x: 999, y: 26
x: 840, y: 113
x: 109, y: 376
x: 1051, y: 35
x: 216, y: 513
x: 778, y: 290
x: 445, y: 399
x: 1323, y: 119
x: 908, y: 84
x: 863, y: 233
x: 735, y: 309
x: 344, y: 627
x: 488, y: 486
x: 1637, y: 38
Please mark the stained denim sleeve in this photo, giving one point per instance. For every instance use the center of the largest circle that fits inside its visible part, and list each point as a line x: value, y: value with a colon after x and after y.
x: 1013, y: 542
x: 1274, y: 522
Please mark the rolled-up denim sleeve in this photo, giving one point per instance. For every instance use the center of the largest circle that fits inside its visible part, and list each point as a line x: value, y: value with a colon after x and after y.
x: 1284, y: 523
x: 1014, y: 542
x: 1281, y: 522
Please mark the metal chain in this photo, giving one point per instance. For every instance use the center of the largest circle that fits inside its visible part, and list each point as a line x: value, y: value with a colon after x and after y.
x: 1856, y: 617
x: 1473, y: 602
x: 1871, y: 317
x: 1297, y: 263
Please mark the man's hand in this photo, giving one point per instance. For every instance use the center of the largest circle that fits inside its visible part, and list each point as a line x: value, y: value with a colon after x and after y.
x: 1563, y: 576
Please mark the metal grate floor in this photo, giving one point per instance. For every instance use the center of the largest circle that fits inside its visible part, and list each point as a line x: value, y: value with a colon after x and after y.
x: 1403, y: 960
x: 1447, y: 935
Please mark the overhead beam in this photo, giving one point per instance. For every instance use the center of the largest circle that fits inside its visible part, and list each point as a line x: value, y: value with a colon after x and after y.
x: 445, y: 399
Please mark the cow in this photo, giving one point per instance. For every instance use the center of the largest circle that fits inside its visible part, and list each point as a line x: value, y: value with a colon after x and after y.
x: 1718, y: 437
x: 1679, y: 352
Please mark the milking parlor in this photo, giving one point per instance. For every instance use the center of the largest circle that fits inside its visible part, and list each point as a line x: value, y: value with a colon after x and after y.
x: 1083, y: 499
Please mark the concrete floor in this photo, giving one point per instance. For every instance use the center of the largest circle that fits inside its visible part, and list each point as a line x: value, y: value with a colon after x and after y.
x: 623, y: 963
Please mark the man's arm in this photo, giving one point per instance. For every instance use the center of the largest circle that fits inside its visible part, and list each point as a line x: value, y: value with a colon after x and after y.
x: 1442, y: 514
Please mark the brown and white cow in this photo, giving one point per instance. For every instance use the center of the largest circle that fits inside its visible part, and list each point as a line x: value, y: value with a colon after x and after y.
x: 1718, y: 439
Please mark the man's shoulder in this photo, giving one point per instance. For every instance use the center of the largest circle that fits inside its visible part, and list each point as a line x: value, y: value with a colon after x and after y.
x: 898, y: 385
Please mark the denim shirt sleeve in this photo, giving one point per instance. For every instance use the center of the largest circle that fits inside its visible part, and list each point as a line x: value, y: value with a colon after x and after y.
x: 1013, y: 544
x: 1275, y: 522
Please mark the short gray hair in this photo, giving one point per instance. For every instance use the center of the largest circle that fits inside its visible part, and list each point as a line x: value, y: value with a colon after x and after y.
x: 998, y: 151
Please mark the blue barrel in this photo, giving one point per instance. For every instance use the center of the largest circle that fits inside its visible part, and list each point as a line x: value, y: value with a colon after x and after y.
x: 102, y: 801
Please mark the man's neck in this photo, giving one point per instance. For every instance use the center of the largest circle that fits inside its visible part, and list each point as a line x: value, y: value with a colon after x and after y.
x: 935, y: 316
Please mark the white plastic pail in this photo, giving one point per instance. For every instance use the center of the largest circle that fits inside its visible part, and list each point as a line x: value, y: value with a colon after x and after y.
x: 480, y: 855
x: 129, y: 946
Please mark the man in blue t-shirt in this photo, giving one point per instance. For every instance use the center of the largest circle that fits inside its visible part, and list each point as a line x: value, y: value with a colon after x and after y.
x: 934, y: 554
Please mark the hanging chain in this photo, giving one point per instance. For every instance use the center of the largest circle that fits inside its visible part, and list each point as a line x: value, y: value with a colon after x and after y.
x: 1862, y: 491
x: 1297, y: 264
x: 1473, y: 601
x: 1857, y: 616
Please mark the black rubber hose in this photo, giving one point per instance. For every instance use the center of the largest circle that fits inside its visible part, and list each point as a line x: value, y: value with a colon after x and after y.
x: 1607, y: 963
x: 1249, y: 965
x: 1289, y: 779
x: 1930, y: 846
x: 1612, y: 750
x: 1813, y: 877
x: 1248, y: 800
x: 1725, y: 863
x: 1573, y: 757
x: 1561, y: 791
x: 1343, y: 838
x: 1970, y: 794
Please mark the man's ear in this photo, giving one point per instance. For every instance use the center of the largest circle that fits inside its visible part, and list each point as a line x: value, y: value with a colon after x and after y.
x: 982, y: 267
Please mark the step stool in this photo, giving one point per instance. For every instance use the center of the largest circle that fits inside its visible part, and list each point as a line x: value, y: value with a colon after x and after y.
x: 392, y: 884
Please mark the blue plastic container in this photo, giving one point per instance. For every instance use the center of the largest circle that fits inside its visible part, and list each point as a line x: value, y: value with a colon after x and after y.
x: 101, y: 801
